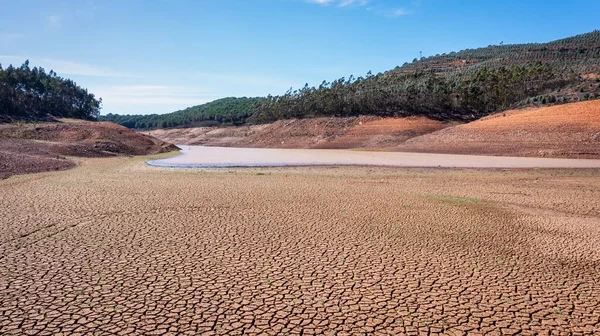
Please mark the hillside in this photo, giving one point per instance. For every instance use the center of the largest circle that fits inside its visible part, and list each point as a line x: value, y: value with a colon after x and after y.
x: 365, y: 132
x: 462, y: 86
x: 219, y: 112
x: 570, y: 131
x: 38, y: 147
x: 457, y: 86
x: 579, y: 53
x: 562, y: 131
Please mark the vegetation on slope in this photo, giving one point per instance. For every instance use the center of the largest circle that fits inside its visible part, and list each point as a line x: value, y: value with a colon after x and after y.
x: 579, y: 53
x: 464, y: 97
x: 33, y: 94
x: 223, y: 111
x: 463, y: 85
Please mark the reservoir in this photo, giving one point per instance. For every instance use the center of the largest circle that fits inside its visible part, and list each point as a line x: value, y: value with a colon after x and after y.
x: 210, y: 157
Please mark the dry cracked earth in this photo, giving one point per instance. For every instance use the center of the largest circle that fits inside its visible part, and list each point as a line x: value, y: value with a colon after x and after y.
x: 117, y: 248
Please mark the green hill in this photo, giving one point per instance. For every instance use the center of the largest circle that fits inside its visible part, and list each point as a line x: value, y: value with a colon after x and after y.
x: 578, y: 53
x: 463, y: 85
x: 223, y: 111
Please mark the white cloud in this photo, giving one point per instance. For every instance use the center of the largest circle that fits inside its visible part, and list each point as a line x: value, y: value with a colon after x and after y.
x: 62, y: 67
x: 54, y: 20
x: 129, y: 95
x: 142, y: 98
x: 374, y: 7
x: 10, y: 37
x: 393, y: 13
x: 340, y: 3
x: 399, y: 12
x: 321, y: 2
x: 345, y: 3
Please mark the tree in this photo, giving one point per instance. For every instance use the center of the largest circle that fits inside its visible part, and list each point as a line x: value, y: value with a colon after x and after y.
x: 33, y: 94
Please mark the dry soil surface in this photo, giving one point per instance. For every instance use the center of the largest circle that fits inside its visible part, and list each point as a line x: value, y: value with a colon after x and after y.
x: 570, y: 130
x: 339, y: 133
x: 116, y: 247
x: 45, y: 146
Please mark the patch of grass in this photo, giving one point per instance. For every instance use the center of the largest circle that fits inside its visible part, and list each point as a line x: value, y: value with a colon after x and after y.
x: 160, y: 155
x: 454, y: 199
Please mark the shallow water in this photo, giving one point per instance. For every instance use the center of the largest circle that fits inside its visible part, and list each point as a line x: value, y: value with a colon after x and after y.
x: 200, y: 156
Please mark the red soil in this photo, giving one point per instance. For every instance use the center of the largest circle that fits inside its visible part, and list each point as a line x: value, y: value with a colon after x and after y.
x: 570, y: 130
x: 561, y: 131
x: 385, y: 133
x: 341, y: 133
x: 38, y: 147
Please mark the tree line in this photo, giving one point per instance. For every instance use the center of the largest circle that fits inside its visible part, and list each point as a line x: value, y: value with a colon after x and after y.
x: 31, y: 94
x: 463, y: 85
x: 226, y: 111
x: 579, y: 53
x: 461, y: 97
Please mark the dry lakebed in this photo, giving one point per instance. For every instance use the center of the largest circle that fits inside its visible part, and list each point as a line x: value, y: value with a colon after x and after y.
x: 118, y: 247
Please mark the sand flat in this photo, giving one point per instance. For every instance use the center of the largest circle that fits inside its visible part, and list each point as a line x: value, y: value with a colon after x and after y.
x: 202, y: 156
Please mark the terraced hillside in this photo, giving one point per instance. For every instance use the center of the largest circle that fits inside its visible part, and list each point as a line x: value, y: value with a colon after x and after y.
x: 462, y: 86
x: 579, y: 53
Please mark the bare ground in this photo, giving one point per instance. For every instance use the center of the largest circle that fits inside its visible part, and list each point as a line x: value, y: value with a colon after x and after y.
x: 569, y: 131
x: 365, y: 132
x: 37, y: 147
x: 561, y: 131
x: 116, y: 247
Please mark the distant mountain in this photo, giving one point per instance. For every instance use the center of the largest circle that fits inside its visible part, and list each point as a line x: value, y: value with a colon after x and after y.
x: 219, y: 112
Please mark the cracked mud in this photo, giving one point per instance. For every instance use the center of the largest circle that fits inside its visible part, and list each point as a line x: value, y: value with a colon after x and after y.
x: 116, y: 248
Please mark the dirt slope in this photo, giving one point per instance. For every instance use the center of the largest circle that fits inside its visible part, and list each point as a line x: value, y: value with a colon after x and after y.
x: 353, y: 132
x: 37, y: 147
x: 561, y: 131
x: 570, y: 130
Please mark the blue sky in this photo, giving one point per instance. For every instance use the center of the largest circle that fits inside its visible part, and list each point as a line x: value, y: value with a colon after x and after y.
x: 158, y: 56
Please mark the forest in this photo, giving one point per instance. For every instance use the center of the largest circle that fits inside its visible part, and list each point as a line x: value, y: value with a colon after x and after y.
x: 466, y: 97
x: 33, y: 94
x: 463, y: 85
